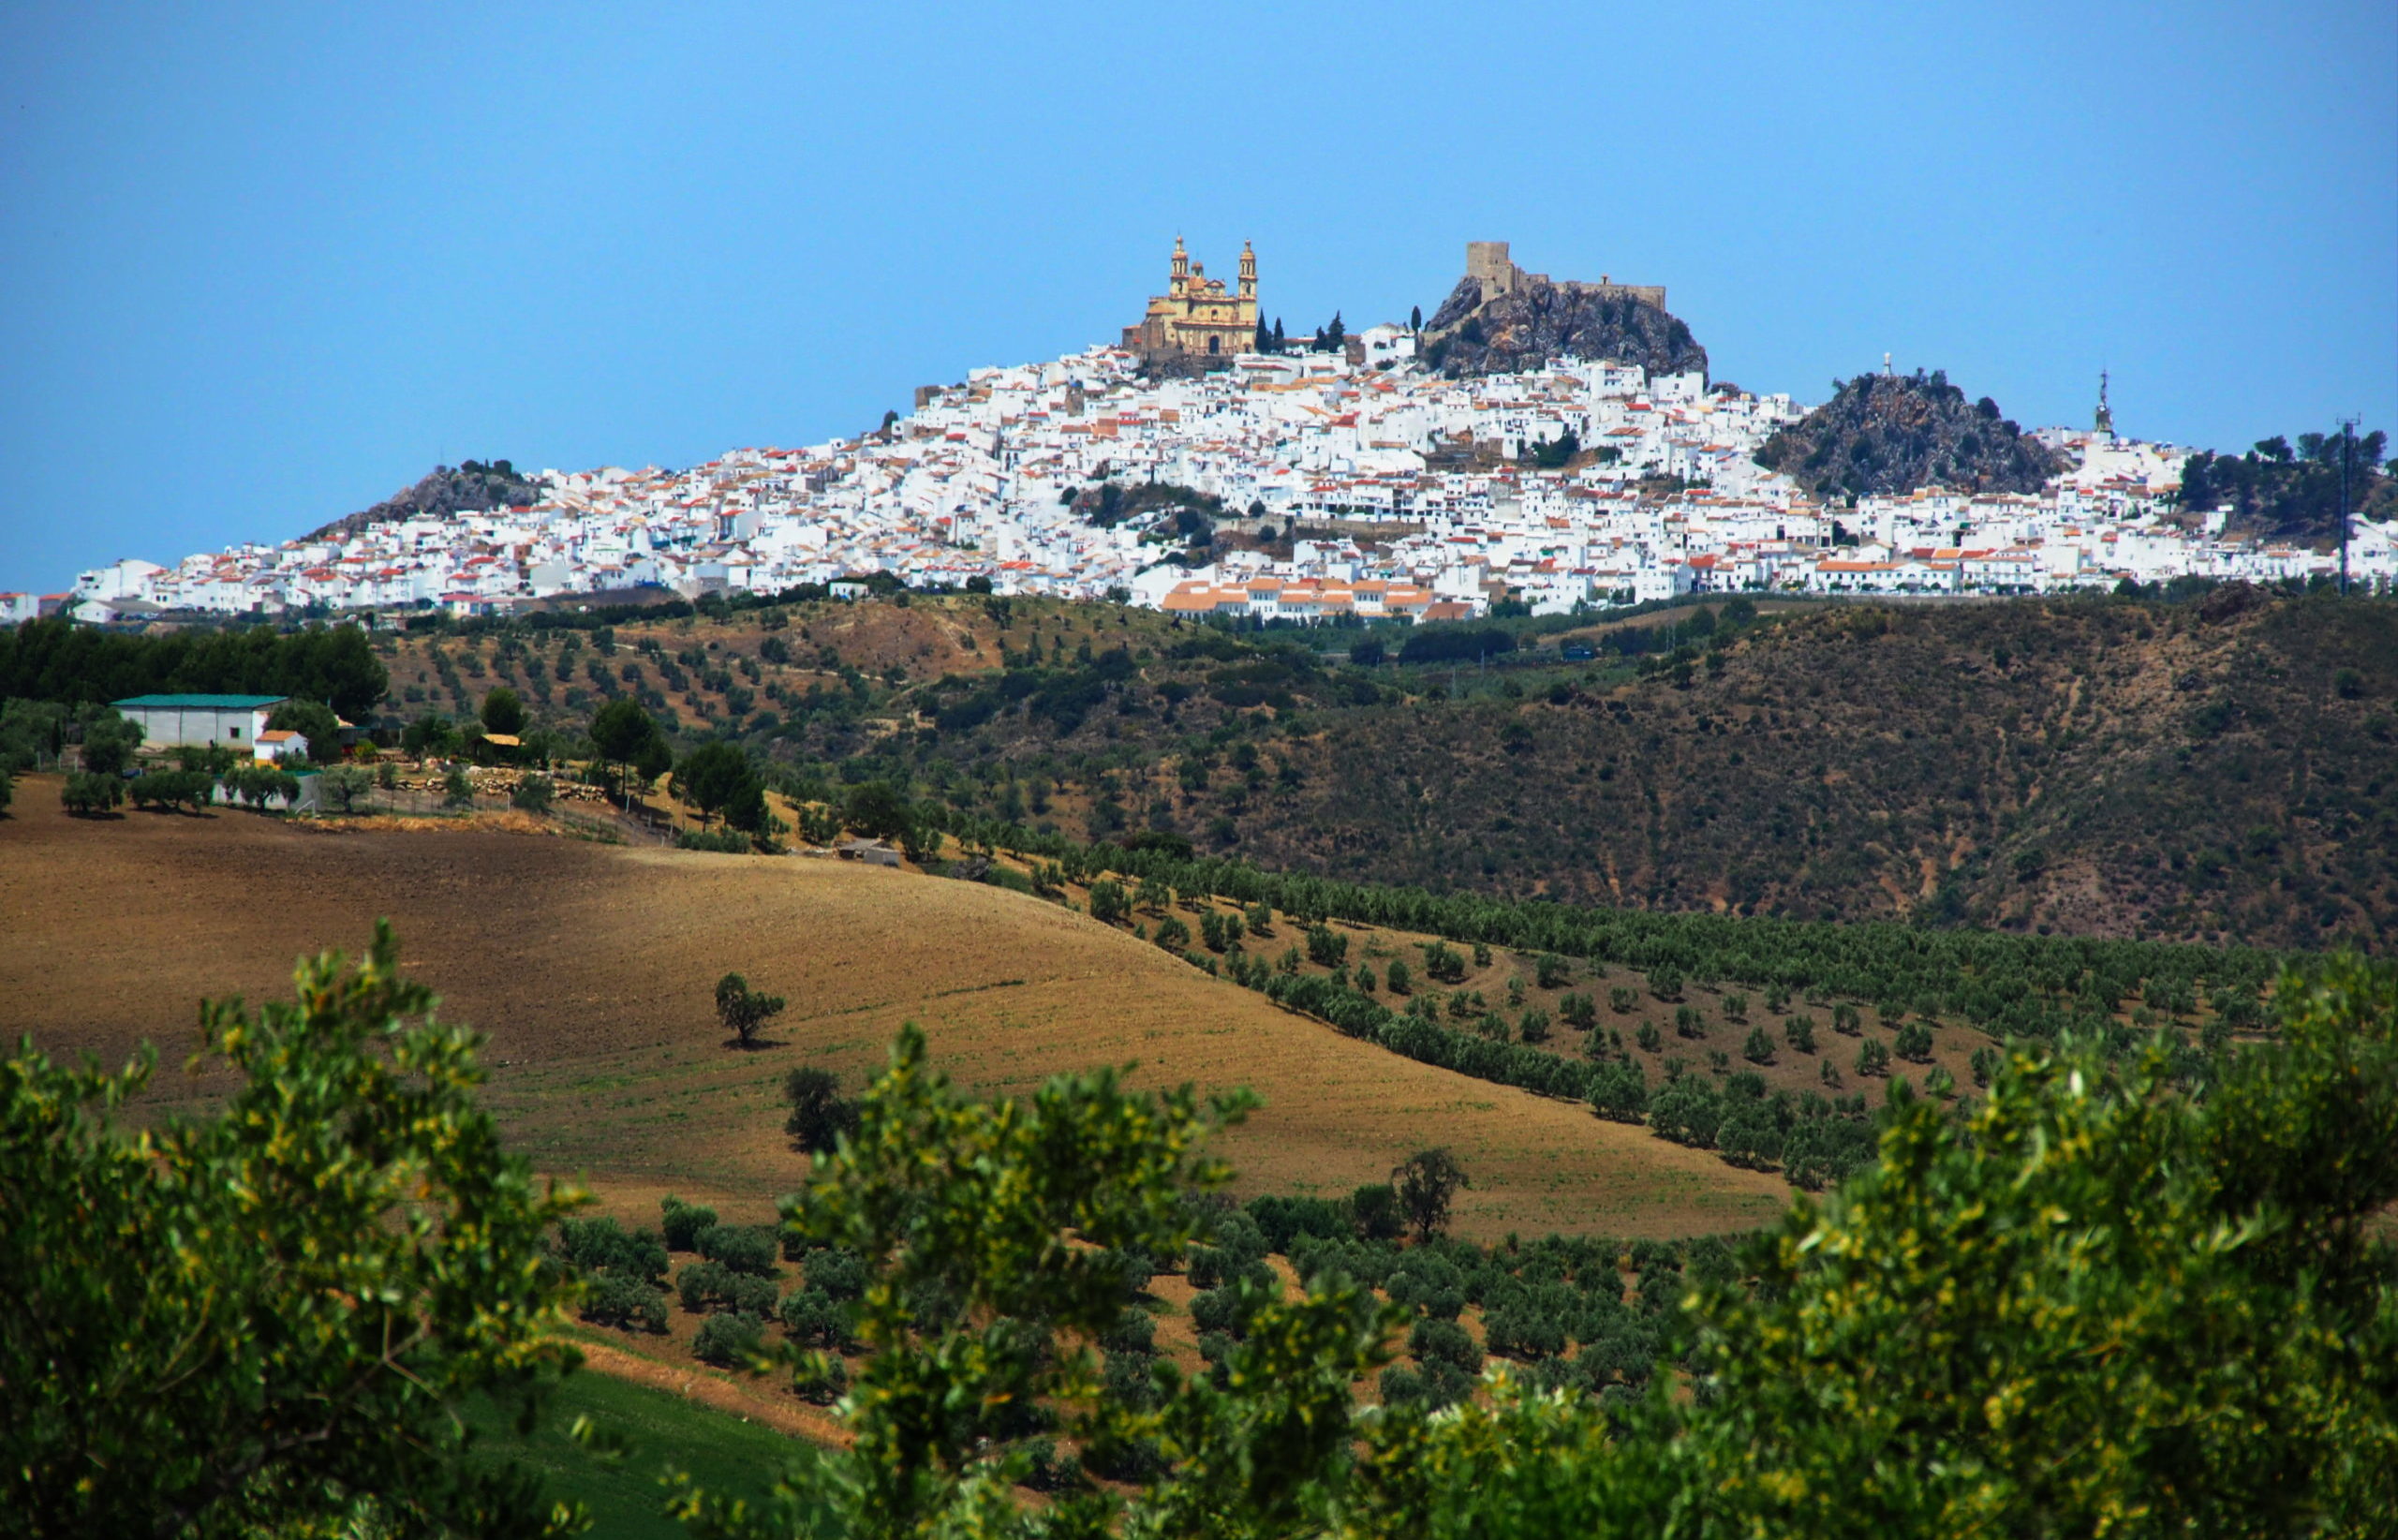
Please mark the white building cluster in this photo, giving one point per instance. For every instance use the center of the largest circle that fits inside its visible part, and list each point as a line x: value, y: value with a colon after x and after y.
x: 1419, y: 487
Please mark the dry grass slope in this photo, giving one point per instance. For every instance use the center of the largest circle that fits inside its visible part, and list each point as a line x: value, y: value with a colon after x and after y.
x: 589, y: 967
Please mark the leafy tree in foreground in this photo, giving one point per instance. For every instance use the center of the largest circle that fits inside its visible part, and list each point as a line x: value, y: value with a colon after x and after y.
x: 2100, y: 1302
x: 1000, y: 1230
x: 266, y: 1321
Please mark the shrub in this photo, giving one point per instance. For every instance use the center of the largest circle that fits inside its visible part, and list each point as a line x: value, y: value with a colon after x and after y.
x: 712, y: 841
x: 1443, y: 1342
x: 596, y: 1244
x: 1912, y: 1042
x: 616, y: 1299
x: 1687, y: 1111
x: 1377, y: 1211
x: 1534, y: 1028
x: 839, y: 1273
x: 727, y: 1341
x: 1872, y: 1057
x: 1579, y: 1011
x: 1220, y: 1311
x: 89, y: 791
x: 1759, y: 1049
x: 1845, y: 1021
x: 1443, y: 963
x: 1171, y: 934
x: 1326, y: 947
x: 741, y: 1248
x: 1619, y: 1091
x: 815, y: 1319
x: 1622, y: 999
x: 533, y: 794
x: 700, y: 1285
x: 1799, y: 1032
x: 818, y: 1115
x: 1647, y: 1035
x: 683, y: 1221
x: 1687, y: 1022
x: 1396, y: 978
x: 1552, y: 971
x: 1665, y: 983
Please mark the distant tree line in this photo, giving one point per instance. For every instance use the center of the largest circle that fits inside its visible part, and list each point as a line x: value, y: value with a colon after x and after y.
x: 57, y: 660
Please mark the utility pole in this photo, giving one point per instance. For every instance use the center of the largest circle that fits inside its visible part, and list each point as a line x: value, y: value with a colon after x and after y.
x: 2347, y: 458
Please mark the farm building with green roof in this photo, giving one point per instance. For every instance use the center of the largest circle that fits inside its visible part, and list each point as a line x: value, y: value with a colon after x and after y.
x: 171, y: 721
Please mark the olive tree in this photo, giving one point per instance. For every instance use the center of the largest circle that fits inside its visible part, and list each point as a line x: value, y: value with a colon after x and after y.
x: 268, y: 1319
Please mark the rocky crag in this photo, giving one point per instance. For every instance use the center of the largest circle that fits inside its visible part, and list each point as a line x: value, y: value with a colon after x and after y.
x: 1889, y: 434
x: 1525, y: 327
x: 470, y: 488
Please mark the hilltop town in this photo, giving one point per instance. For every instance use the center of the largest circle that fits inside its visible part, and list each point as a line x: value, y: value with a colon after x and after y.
x: 1380, y: 485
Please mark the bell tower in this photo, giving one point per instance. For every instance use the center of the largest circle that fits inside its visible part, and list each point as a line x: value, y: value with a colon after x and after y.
x: 1247, y: 271
x: 1178, y: 274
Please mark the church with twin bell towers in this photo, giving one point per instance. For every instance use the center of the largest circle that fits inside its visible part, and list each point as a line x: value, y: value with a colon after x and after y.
x: 1195, y: 317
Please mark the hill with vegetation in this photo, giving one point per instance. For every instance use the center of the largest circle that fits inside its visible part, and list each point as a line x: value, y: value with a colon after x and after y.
x: 474, y: 487
x: 1884, y: 434
x: 2212, y: 769
x: 1523, y: 330
x: 2279, y: 492
x: 2215, y: 768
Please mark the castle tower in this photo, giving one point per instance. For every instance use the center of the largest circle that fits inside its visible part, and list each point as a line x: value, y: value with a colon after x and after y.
x: 1247, y: 271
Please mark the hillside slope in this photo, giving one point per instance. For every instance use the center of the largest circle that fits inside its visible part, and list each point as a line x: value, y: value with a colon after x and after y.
x: 2095, y: 769
x: 2218, y: 769
x: 590, y: 968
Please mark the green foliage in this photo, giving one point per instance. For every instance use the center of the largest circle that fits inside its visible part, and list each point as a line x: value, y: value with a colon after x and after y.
x: 457, y: 788
x: 712, y: 776
x: 1759, y: 1049
x: 1326, y: 947
x: 746, y: 1249
x: 742, y: 1010
x: 1619, y: 1091
x: 344, y: 788
x: 168, y: 789
x: 819, y: 1113
x: 313, y: 721
x: 533, y: 794
x: 109, y: 739
x: 58, y: 660
x: 1428, y: 1183
x: 728, y: 1338
x: 264, y: 1319
x: 1872, y: 1057
x: 981, y: 1297
x: 503, y: 712
x: 87, y: 793
x: 681, y: 1223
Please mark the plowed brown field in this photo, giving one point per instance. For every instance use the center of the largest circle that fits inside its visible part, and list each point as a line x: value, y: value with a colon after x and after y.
x: 590, y: 968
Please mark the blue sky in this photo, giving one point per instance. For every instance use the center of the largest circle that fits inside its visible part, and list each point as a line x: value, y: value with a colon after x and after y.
x: 260, y: 265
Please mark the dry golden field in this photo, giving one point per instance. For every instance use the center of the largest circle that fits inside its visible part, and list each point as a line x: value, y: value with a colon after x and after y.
x: 590, y: 966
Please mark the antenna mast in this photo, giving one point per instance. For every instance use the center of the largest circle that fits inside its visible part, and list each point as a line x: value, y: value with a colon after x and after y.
x: 2348, y: 457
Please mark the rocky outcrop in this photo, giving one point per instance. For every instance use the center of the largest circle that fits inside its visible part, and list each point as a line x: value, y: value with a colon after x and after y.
x: 1539, y: 321
x: 1888, y: 434
x: 472, y: 488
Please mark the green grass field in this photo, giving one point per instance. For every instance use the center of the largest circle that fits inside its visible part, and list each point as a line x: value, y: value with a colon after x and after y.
x: 624, y: 1496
